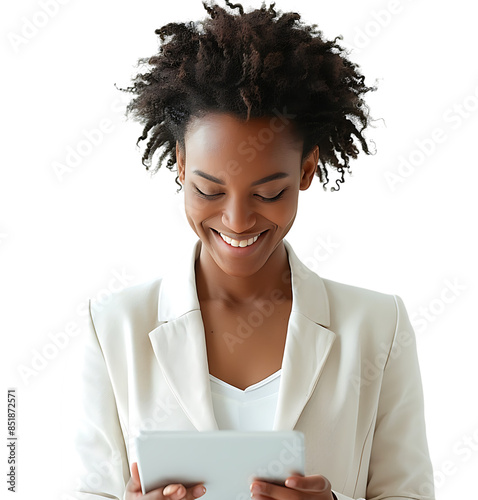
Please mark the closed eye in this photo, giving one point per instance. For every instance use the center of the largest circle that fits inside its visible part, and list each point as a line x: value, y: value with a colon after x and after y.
x: 275, y: 197
x: 211, y: 196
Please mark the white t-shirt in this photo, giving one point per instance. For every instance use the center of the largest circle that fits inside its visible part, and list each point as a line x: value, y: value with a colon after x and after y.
x: 251, y: 409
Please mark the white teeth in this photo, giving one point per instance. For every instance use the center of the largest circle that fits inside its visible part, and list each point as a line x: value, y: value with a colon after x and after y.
x: 242, y: 243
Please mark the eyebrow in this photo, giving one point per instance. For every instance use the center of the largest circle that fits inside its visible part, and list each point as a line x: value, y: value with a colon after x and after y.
x: 272, y: 177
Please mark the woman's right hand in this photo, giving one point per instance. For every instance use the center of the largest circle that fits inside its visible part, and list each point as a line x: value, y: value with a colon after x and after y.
x: 170, y: 492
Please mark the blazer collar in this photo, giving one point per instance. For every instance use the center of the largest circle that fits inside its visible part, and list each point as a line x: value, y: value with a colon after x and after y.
x: 178, y: 294
x: 180, y: 347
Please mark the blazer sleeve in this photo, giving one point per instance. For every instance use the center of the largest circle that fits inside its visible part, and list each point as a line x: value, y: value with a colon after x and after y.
x: 101, y: 468
x: 400, y: 466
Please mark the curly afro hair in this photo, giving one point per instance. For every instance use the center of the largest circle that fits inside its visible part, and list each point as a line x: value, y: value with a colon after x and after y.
x: 251, y: 64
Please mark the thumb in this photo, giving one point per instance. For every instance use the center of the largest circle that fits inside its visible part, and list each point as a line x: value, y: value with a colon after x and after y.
x: 136, y: 483
x: 315, y: 483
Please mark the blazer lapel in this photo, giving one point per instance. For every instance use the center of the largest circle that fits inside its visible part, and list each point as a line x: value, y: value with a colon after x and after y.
x: 179, y: 343
x: 180, y: 347
x: 307, y: 344
x: 306, y: 350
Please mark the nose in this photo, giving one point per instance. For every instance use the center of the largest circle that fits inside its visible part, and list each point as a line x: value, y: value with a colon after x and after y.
x: 238, y: 216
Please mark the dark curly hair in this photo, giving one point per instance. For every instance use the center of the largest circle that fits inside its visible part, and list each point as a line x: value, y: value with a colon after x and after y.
x: 251, y: 64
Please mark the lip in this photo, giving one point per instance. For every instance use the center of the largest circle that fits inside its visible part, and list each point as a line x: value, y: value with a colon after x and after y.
x: 242, y: 251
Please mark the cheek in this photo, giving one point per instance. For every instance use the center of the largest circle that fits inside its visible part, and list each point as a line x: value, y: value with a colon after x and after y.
x: 287, y: 217
x: 197, y: 210
x: 284, y: 213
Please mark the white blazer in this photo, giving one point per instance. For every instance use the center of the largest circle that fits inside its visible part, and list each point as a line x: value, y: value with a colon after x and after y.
x: 350, y: 382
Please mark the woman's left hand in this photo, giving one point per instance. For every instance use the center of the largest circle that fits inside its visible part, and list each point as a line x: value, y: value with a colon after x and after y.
x: 306, y: 488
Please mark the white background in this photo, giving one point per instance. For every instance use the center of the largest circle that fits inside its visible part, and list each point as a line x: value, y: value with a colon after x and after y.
x: 66, y: 237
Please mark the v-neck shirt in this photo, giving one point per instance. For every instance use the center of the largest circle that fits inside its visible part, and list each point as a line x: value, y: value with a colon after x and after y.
x: 250, y: 409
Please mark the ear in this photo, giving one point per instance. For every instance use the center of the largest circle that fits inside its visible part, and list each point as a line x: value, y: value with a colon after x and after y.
x: 180, y: 163
x: 308, y: 168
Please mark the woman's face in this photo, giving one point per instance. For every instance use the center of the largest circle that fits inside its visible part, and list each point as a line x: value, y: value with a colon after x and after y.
x: 242, y: 180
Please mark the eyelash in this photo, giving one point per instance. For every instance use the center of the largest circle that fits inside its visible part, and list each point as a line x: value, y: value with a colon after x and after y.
x: 268, y: 200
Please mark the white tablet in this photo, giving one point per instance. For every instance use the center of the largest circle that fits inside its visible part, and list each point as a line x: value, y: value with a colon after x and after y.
x: 225, y: 461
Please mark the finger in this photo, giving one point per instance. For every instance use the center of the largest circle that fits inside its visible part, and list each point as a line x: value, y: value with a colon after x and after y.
x: 135, y: 474
x: 171, y: 492
x: 315, y: 483
x: 179, y: 492
x: 134, y: 484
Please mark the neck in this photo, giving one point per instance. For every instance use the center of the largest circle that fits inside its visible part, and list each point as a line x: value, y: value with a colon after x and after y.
x: 271, y: 282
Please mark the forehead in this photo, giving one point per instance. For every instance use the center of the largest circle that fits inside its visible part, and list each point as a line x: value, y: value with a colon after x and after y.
x: 217, y: 134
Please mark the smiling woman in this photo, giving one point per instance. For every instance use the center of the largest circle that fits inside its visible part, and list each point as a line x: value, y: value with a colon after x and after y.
x: 251, y: 107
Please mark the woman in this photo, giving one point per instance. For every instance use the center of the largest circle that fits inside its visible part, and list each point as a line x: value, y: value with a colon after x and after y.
x: 250, y: 107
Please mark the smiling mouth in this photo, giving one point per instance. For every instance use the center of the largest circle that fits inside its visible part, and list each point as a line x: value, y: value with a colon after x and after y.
x: 239, y: 243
